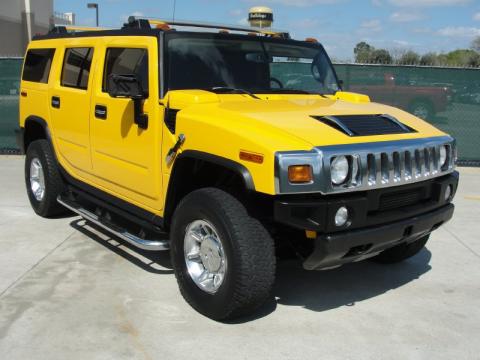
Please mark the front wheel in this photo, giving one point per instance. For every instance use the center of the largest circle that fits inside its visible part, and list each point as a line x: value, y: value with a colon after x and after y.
x: 401, y: 252
x: 223, y: 259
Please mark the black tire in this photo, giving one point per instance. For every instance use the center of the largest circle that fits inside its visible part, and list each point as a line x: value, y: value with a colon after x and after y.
x: 422, y: 109
x: 54, y: 185
x: 401, y: 252
x: 248, y: 247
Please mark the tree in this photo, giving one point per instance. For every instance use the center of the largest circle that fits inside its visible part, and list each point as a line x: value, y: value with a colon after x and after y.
x: 381, y: 56
x: 430, y: 59
x: 363, y: 52
x: 462, y: 57
x: 476, y: 44
x: 409, y: 58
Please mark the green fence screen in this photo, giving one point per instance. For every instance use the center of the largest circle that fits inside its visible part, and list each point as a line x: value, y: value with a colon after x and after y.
x: 9, y: 84
x: 447, y: 97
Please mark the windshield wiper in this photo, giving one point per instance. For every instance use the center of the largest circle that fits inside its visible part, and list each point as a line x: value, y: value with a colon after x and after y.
x: 290, y: 91
x: 227, y: 89
x: 296, y: 91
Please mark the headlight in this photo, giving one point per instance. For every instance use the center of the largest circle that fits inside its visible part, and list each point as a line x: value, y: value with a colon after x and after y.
x: 443, y: 155
x: 339, y: 169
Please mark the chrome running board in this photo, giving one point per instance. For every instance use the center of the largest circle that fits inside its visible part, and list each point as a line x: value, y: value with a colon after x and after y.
x: 145, y: 244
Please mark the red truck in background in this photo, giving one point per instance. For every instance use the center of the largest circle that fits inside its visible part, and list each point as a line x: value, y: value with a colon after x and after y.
x: 422, y: 101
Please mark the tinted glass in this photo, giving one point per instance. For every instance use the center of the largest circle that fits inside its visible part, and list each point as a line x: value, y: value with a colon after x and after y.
x: 127, y: 61
x: 257, y: 65
x: 76, y: 67
x: 37, y: 65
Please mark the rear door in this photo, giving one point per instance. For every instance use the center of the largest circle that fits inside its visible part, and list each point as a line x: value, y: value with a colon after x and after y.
x: 126, y: 158
x: 69, y: 102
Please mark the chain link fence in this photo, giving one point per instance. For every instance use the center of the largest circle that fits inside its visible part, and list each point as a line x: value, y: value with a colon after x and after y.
x: 10, y: 70
x: 448, y: 97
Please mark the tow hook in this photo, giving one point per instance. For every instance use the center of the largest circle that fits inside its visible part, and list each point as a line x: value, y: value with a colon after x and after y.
x: 173, y: 151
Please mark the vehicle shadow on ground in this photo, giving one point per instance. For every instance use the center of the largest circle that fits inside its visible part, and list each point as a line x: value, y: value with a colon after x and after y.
x: 157, y: 262
x: 345, y: 286
x: 313, y: 290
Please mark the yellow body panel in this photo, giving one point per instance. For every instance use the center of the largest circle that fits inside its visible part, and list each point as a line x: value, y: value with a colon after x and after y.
x: 274, y: 123
x: 118, y: 157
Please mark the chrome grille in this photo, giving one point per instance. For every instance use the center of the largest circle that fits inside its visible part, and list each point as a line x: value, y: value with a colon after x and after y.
x: 400, y: 166
x: 381, y: 164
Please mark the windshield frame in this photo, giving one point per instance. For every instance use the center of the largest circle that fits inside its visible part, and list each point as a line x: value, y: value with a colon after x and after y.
x: 167, y: 36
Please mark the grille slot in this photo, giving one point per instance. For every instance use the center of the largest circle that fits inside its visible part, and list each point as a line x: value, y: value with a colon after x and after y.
x: 365, y: 125
x: 400, y: 199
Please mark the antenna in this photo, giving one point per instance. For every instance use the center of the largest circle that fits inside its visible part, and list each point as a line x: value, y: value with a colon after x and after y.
x: 174, y: 6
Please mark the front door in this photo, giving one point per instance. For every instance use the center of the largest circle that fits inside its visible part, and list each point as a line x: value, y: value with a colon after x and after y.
x: 126, y: 158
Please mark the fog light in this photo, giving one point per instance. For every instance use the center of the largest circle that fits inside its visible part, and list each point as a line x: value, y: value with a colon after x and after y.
x: 448, y: 192
x: 341, y: 217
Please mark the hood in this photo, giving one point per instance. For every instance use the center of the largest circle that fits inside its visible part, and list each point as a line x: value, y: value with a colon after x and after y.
x: 298, y: 115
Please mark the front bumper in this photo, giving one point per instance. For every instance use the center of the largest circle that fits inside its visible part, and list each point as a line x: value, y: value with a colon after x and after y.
x: 379, y: 219
x: 336, y: 249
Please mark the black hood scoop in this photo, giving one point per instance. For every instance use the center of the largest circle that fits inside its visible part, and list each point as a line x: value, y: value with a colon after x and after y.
x: 365, y: 125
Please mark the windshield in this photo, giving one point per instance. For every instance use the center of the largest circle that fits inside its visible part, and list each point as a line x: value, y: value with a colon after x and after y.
x: 254, y: 65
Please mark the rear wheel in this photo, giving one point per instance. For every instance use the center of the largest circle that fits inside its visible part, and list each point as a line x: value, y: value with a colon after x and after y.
x: 43, y: 179
x: 401, y: 252
x: 223, y: 259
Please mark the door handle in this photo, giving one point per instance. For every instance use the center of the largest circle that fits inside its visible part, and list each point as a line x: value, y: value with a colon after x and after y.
x: 56, y: 102
x: 100, y: 112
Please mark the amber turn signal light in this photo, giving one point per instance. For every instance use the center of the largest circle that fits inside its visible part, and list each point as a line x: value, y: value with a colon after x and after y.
x: 298, y: 174
x: 252, y: 157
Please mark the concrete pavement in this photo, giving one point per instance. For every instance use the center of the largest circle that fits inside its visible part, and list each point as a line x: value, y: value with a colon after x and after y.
x: 68, y: 291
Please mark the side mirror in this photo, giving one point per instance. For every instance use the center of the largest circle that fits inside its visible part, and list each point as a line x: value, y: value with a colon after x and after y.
x: 129, y: 86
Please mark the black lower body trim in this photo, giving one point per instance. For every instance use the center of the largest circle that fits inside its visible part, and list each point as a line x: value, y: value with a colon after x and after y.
x: 111, y: 202
x: 336, y: 249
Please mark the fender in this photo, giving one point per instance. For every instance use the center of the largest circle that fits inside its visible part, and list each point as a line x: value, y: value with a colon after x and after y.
x: 235, y: 167
x: 218, y: 160
x: 22, y: 136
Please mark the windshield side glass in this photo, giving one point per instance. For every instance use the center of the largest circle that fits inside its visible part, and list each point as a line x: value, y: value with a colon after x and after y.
x: 253, y: 65
x: 301, y: 68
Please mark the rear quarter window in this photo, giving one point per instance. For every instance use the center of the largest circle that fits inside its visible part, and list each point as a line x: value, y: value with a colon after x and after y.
x: 37, y: 65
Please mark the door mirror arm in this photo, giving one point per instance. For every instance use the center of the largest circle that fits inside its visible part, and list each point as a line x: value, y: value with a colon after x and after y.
x: 129, y: 86
x: 139, y: 117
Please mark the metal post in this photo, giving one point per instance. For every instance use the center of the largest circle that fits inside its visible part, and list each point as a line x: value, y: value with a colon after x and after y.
x: 94, y: 6
x: 28, y: 18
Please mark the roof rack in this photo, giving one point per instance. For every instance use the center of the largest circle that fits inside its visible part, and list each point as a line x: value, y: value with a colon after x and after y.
x: 147, y: 23
x: 63, y: 29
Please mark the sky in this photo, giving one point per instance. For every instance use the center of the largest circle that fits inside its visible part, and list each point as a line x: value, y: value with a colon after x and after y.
x: 419, y: 25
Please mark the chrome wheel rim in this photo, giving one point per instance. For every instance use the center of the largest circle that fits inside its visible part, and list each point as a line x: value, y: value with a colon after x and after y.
x: 204, y: 256
x: 37, y: 179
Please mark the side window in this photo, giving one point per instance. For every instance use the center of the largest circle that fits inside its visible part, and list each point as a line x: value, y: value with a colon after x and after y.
x: 126, y: 61
x: 76, y: 67
x: 37, y: 65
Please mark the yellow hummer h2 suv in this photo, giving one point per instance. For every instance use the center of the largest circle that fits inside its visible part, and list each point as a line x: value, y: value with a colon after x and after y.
x: 226, y: 146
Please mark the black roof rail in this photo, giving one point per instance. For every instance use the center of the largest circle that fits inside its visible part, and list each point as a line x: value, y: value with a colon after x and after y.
x: 57, y: 29
x: 64, y: 29
x: 147, y: 23
x: 134, y: 23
